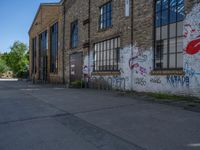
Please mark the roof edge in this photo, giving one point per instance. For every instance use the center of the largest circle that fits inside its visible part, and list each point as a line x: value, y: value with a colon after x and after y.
x: 45, y: 4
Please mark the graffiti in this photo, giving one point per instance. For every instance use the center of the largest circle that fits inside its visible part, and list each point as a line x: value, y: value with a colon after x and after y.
x: 176, y: 81
x: 140, y: 81
x: 143, y: 71
x: 138, y: 58
x: 134, y: 63
x: 139, y: 69
x: 192, y: 31
x: 188, y: 29
x: 189, y: 71
x: 155, y: 80
x: 193, y: 46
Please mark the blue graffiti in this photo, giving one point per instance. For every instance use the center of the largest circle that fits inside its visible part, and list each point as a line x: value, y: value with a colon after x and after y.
x: 176, y: 81
x: 189, y: 71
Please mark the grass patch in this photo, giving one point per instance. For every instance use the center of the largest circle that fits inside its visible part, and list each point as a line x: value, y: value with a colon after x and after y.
x: 165, y: 97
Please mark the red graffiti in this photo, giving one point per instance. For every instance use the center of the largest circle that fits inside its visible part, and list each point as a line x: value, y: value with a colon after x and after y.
x: 193, y: 47
x: 132, y: 66
x: 188, y: 29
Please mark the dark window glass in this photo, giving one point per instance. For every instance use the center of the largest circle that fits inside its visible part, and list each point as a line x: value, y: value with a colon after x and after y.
x: 106, y: 15
x: 34, y: 49
x: 106, y: 56
x: 43, y: 43
x: 54, y: 48
x: 74, y: 34
x: 169, y: 16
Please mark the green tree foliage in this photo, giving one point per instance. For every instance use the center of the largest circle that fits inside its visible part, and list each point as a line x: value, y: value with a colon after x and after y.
x: 17, y: 59
x: 3, y: 66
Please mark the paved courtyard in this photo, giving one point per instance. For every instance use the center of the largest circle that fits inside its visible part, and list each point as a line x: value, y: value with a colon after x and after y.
x: 35, y: 117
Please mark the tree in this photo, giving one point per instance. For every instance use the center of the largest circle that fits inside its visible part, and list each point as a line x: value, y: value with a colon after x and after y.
x: 3, y: 66
x: 17, y: 59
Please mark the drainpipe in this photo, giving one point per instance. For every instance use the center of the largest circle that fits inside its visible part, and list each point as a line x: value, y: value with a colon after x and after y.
x: 63, y: 46
x: 89, y: 15
x: 132, y: 36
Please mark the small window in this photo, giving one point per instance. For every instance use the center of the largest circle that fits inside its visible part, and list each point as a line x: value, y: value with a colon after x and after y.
x: 106, y: 55
x: 74, y: 34
x: 54, y: 48
x: 106, y: 16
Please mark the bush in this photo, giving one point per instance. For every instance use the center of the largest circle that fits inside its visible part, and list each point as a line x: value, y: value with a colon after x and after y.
x: 3, y: 67
x: 76, y: 84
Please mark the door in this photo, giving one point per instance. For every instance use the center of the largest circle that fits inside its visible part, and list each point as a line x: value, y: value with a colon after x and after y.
x: 76, y: 65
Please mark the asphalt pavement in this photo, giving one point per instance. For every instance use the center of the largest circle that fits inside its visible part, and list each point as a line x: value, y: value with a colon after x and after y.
x: 46, y: 117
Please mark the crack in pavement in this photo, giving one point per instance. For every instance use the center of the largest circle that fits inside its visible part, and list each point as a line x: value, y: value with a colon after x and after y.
x: 33, y: 118
x: 80, y: 125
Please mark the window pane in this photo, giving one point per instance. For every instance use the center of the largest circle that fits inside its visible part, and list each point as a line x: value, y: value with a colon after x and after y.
x: 180, y: 12
x: 158, y: 5
x: 106, y: 16
x: 165, y: 61
x: 158, y: 34
x: 112, y: 44
x: 173, y: 30
x: 172, y: 14
x: 180, y: 28
x: 172, y: 3
x: 158, y: 19
x: 180, y: 60
x: 164, y: 17
x: 172, y: 61
x: 172, y: 45
x: 180, y: 44
x: 159, y: 49
x: 118, y: 42
x: 164, y: 4
x: 165, y: 46
x: 164, y: 32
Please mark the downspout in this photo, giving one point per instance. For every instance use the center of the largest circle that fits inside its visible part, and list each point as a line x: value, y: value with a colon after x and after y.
x: 89, y: 15
x: 132, y: 36
x: 63, y: 47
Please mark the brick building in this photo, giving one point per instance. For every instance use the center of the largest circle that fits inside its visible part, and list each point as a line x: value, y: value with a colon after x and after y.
x: 46, y: 47
x: 146, y: 45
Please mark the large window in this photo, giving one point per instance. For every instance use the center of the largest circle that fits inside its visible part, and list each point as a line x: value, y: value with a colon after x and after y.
x: 106, y: 15
x: 34, y: 46
x: 169, y: 15
x: 74, y: 34
x: 106, y: 55
x: 43, y: 43
x: 54, y: 48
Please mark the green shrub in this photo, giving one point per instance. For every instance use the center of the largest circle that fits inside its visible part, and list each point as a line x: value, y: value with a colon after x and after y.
x: 76, y: 84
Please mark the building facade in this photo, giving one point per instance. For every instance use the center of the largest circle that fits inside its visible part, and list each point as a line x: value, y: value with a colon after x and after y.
x: 148, y: 45
x: 46, y: 44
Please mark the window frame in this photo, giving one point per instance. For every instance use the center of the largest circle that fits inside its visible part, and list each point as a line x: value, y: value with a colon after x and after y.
x: 55, y: 61
x: 71, y: 35
x: 34, y: 55
x: 105, y: 17
x: 176, y: 37
x: 111, y: 50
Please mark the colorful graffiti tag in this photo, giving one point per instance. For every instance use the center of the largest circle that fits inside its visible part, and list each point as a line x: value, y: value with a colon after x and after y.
x: 176, y: 81
x: 193, y: 46
x: 134, y: 64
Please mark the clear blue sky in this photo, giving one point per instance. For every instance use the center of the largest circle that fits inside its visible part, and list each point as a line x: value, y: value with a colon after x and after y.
x: 16, y: 17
